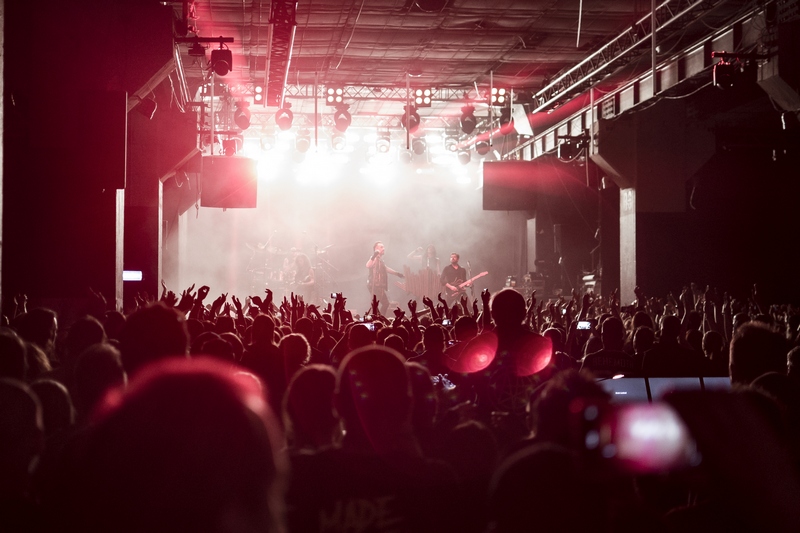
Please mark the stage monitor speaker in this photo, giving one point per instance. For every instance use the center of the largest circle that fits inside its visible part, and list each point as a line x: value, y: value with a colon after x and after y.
x: 228, y: 182
x: 520, y: 185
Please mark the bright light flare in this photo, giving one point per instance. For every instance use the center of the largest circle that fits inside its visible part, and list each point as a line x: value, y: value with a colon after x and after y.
x: 320, y: 168
x: 651, y: 438
x: 476, y: 355
x: 533, y: 354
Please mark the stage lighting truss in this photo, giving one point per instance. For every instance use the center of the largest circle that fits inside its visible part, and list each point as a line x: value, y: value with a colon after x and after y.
x: 334, y: 95
x: 384, y: 141
x: 423, y: 97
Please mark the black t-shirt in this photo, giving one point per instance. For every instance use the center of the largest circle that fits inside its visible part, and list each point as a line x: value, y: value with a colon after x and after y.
x: 453, y: 276
x: 338, y: 491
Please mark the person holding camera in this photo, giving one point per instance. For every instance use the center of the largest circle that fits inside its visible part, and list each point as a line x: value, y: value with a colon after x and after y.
x: 378, y: 282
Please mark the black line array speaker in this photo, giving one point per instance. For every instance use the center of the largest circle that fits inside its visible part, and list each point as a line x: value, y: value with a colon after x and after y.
x: 228, y: 182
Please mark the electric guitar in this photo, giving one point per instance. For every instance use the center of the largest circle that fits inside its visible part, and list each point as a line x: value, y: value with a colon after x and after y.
x: 450, y: 293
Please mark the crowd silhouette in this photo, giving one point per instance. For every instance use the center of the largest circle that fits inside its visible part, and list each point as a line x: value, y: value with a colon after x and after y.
x: 500, y: 414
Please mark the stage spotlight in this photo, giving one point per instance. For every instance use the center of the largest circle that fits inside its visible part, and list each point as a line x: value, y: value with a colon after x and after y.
x: 302, y: 141
x: 197, y: 50
x: 229, y: 147
x: 221, y: 61
x: 284, y: 117
x: 419, y: 145
x: 725, y: 74
x: 338, y: 140
x: 570, y: 148
x: 482, y: 147
x: 422, y: 97
x: 468, y: 120
x: 241, y: 115
x: 451, y: 143
x: 498, y: 96
x: 383, y: 142
x: 410, y: 118
x: 258, y: 94
x: 342, y: 117
x: 334, y: 95
x: 268, y: 142
x: 464, y: 157
x: 405, y: 156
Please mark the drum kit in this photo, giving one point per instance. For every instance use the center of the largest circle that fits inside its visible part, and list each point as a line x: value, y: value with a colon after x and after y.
x: 271, y: 267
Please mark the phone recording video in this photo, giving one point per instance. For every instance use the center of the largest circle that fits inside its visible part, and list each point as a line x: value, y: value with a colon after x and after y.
x: 370, y: 326
x: 584, y: 324
x: 640, y: 438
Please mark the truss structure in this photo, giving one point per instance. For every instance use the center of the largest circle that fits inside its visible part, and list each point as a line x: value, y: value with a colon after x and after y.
x: 670, y: 16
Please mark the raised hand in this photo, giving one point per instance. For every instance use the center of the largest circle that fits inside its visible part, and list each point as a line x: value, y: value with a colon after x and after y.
x: 202, y: 292
x: 21, y: 304
x: 268, y: 299
x: 442, y: 300
x: 427, y: 302
x: 412, y: 306
x: 187, y: 300
x: 475, y: 308
x: 216, y: 305
x: 485, y: 297
x: 97, y: 303
x: 375, y: 304
x: 170, y: 299
x: 237, y: 304
x: 464, y: 304
x: 399, y: 313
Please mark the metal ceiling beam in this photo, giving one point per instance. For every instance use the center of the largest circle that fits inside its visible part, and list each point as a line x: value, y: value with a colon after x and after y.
x: 610, y: 105
x: 621, y: 50
x: 282, y: 26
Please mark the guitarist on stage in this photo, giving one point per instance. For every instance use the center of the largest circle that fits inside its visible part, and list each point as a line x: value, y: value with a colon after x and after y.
x: 453, y: 275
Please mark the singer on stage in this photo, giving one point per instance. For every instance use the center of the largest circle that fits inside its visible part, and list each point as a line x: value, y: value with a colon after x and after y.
x: 378, y: 282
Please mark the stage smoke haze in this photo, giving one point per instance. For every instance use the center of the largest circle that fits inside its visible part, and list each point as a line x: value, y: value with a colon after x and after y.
x: 334, y: 212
